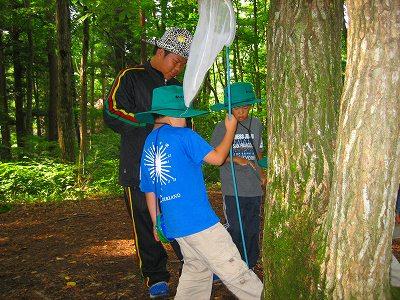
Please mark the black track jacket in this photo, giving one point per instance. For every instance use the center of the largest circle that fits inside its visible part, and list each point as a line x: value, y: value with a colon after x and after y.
x: 131, y: 93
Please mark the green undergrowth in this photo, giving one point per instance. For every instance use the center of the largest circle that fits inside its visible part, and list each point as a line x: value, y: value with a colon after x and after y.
x: 39, y: 176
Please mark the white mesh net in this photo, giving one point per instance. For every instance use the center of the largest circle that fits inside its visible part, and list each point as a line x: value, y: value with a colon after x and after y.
x: 215, y: 29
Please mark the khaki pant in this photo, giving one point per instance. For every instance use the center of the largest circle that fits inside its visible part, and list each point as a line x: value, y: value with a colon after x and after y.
x: 209, y: 252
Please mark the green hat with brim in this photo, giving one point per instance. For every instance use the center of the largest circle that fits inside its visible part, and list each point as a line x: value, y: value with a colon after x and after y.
x: 242, y: 94
x: 168, y: 101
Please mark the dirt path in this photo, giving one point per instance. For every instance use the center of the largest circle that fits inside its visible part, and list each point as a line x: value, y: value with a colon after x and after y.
x: 78, y: 250
x: 74, y: 250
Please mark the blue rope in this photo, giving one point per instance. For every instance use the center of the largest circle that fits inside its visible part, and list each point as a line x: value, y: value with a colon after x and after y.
x: 228, y: 84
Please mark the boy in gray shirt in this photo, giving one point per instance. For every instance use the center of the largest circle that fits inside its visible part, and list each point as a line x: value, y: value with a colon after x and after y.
x: 247, y: 150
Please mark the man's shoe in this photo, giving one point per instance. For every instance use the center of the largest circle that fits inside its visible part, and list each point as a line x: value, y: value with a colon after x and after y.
x: 159, y: 289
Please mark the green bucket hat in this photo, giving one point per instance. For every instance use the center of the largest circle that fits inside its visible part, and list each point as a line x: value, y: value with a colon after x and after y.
x: 242, y: 93
x: 168, y: 101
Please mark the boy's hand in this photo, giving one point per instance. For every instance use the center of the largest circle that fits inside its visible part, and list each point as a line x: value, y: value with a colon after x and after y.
x: 155, y: 233
x: 230, y: 123
x: 244, y: 162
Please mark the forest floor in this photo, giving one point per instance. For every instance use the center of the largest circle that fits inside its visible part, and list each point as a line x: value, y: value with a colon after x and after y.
x: 79, y: 250
x: 76, y: 250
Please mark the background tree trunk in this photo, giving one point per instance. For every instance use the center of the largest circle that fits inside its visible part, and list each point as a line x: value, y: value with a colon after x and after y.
x: 303, y: 90
x: 361, y: 208
x: 29, y: 76
x: 53, y: 80
x: 18, y: 92
x: 142, y: 24
x: 65, y: 119
x: 5, y: 148
x: 83, y: 97
x: 92, y: 81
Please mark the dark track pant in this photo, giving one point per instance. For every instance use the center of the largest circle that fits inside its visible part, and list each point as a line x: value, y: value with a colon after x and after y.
x: 250, y: 212
x: 151, y: 254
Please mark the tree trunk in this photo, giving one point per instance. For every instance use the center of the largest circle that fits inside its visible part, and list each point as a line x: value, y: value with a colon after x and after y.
x: 37, y: 107
x: 65, y: 118
x: 163, y: 7
x: 142, y: 24
x: 18, y: 92
x: 92, y: 79
x: 53, y: 81
x: 29, y: 77
x: 303, y: 88
x: 362, y: 203
x: 255, y: 56
x: 83, y: 97
x: 5, y: 148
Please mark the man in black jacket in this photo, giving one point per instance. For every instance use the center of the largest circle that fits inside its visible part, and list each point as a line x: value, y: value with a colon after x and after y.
x: 131, y: 93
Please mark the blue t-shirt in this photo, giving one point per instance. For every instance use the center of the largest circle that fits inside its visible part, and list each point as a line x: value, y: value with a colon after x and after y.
x: 171, y: 168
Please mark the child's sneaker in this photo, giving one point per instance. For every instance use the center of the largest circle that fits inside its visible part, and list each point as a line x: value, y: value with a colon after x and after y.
x: 159, y: 289
x: 216, y: 279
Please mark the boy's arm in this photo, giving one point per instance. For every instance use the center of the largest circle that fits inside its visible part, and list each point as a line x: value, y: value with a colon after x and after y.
x: 152, y: 207
x: 218, y: 155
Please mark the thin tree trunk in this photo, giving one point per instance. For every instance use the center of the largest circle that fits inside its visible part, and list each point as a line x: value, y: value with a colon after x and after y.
x: 83, y: 97
x: 142, y: 24
x: 163, y: 6
x: 361, y: 209
x: 29, y: 77
x: 5, y: 148
x: 18, y: 92
x: 303, y: 87
x: 83, y: 100
x: 92, y: 80
x: 65, y: 118
x: 53, y: 79
x: 37, y: 107
x: 255, y: 45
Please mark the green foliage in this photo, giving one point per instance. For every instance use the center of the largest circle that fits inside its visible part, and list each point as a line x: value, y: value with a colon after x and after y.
x: 41, y: 177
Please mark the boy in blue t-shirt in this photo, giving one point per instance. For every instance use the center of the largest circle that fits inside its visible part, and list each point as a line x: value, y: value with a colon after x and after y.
x: 172, y: 178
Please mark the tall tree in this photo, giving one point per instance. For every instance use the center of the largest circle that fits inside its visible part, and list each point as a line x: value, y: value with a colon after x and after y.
x: 142, y: 24
x: 303, y: 91
x: 18, y: 74
x: 255, y: 55
x: 29, y: 74
x: 83, y: 96
x: 361, y: 208
x: 65, y: 118
x: 5, y: 147
x: 53, y: 77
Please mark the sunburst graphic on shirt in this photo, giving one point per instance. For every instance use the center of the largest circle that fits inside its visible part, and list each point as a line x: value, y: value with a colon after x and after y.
x: 157, y: 161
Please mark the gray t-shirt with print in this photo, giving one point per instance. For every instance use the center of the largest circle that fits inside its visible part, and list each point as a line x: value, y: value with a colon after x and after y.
x: 248, y: 179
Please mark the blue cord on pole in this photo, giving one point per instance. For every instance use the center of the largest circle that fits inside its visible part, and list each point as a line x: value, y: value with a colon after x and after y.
x: 228, y: 84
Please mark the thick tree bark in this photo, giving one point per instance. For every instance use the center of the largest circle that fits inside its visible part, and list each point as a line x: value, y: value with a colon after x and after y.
x: 361, y: 209
x: 65, y: 118
x: 303, y: 91
x: 83, y: 97
x: 18, y: 92
x: 5, y: 148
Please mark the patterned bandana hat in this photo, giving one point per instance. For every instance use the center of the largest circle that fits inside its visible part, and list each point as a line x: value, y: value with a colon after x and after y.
x: 175, y: 40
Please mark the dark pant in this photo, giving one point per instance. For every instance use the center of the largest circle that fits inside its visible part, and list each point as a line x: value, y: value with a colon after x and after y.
x: 250, y: 212
x: 151, y: 254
